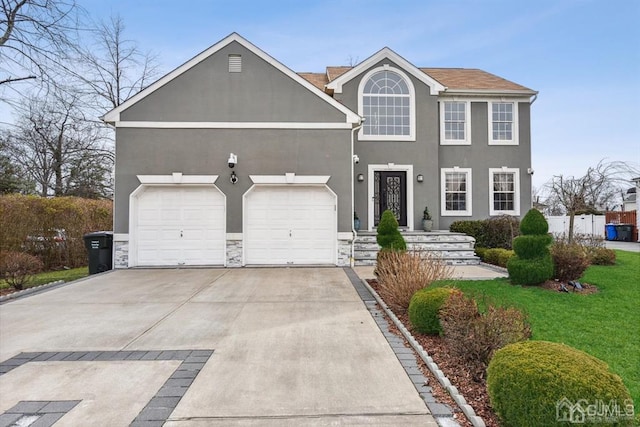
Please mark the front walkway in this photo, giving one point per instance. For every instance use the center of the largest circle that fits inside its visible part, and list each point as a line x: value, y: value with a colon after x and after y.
x: 466, y: 272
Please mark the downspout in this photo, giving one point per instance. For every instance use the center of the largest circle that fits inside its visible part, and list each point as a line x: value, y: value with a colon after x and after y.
x: 353, y: 203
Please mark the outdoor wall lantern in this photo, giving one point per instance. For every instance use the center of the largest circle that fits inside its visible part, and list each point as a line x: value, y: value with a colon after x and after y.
x: 233, y: 160
x: 420, y: 178
x: 360, y: 177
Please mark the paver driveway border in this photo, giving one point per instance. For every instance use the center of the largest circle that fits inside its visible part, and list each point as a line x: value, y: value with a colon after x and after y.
x: 202, y: 299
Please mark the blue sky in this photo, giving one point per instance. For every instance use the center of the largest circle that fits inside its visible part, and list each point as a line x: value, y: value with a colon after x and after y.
x: 582, y: 56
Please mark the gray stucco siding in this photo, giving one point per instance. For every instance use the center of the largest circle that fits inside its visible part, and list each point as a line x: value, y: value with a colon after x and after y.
x: 421, y: 153
x: 205, y: 152
x: 480, y: 157
x: 208, y: 92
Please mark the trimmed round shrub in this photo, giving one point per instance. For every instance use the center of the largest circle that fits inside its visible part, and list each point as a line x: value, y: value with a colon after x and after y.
x: 532, y: 383
x: 530, y: 272
x: 534, y: 223
x: 497, y: 256
x: 424, y: 309
x: 530, y: 247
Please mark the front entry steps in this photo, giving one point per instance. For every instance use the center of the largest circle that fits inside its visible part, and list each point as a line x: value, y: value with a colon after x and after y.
x: 453, y: 248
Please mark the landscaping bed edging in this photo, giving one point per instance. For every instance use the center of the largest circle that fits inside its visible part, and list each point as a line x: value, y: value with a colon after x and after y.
x: 468, y: 411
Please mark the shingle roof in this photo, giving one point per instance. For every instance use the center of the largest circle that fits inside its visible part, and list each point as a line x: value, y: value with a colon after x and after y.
x: 453, y: 78
x: 335, y: 72
x: 316, y: 79
x: 471, y: 79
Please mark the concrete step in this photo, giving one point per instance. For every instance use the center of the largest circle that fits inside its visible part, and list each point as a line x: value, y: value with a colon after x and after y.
x: 453, y: 248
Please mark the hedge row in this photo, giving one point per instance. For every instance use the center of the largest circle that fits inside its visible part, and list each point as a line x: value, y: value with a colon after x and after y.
x: 52, y: 228
x: 495, y: 232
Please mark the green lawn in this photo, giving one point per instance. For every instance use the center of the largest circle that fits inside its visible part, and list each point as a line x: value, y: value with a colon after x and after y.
x: 52, y: 276
x: 605, y: 325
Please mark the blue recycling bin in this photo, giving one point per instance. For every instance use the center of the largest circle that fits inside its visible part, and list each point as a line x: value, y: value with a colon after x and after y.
x: 612, y: 233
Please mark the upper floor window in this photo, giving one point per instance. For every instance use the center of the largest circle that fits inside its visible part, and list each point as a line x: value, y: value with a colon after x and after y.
x: 503, y: 124
x: 504, y: 188
x: 387, y: 104
x: 454, y: 123
x: 455, y: 192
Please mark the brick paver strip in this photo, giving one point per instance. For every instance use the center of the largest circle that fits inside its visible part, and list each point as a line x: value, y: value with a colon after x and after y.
x: 405, y: 355
x: 48, y: 412
x: 155, y: 412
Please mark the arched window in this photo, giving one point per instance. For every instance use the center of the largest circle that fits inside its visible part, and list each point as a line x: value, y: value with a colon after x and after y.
x: 387, y: 104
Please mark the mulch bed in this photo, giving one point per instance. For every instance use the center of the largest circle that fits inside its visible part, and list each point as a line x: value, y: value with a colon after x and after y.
x: 454, y: 368
x: 473, y: 389
x: 7, y: 291
x: 554, y: 285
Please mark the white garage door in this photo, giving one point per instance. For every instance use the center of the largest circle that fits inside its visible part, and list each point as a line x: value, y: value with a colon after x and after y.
x: 180, y: 226
x: 290, y: 225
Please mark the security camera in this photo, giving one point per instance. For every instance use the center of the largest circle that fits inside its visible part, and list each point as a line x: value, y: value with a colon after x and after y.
x: 233, y: 159
x: 356, y: 159
x: 530, y: 171
x: 234, y: 177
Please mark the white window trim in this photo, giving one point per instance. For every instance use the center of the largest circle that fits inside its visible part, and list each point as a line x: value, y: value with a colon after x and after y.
x: 371, y: 170
x: 516, y: 195
x: 412, y: 107
x: 467, y: 124
x: 443, y: 196
x: 516, y: 117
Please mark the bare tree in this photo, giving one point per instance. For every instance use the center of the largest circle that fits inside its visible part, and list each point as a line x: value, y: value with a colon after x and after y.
x: 595, y: 191
x: 35, y: 37
x: 113, y: 67
x: 61, y: 150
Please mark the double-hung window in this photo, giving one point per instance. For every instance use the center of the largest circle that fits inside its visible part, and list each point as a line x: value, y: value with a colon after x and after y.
x: 387, y: 104
x: 503, y: 124
x: 454, y: 123
x: 504, y: 191
x: 455, y: 192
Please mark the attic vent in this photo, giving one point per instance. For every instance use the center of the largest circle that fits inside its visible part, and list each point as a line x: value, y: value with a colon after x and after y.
x: 235, y: 63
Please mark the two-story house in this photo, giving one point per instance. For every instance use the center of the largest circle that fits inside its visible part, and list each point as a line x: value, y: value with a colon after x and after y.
x: 234, y: 159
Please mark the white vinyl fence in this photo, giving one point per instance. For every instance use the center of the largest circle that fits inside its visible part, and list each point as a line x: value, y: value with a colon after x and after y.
x: 582, y: 224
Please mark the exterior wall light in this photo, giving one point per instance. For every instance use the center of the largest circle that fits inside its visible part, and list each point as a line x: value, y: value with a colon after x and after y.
x: 420, y: 178
x: 234, y: 177
x: 360, y: 177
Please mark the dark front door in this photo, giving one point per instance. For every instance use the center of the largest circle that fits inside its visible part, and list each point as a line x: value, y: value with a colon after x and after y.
x: 391, y: 193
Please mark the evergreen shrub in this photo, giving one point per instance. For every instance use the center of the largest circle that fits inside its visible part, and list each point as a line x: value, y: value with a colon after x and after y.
x: 532, y: 263
x: 533, y: 383
x: 424, y: 309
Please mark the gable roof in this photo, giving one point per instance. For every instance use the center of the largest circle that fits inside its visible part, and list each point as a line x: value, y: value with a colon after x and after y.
x: 114, y: 115
x: 385, y: 53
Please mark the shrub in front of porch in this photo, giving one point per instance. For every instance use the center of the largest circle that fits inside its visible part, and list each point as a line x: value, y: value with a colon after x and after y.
x: 401, y: 274
x: 389, y: 236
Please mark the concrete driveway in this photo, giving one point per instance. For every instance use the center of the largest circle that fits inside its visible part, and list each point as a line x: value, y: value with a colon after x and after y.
x: 216, y: 346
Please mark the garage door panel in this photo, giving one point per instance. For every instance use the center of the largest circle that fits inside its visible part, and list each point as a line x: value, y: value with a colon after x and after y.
x: 290, y: 225
x: 180, y: 226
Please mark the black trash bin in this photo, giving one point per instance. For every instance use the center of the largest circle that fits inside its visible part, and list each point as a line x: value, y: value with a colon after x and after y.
x: 99, y: 245
x: 624, y: 232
